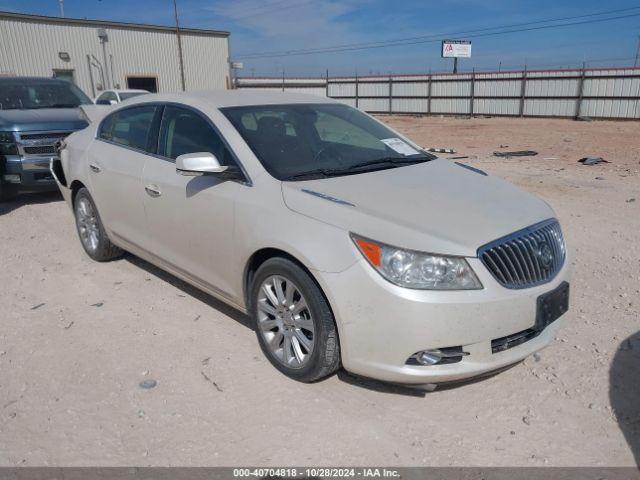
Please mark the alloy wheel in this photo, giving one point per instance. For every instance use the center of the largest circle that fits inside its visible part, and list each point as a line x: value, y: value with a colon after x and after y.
x: 87, y: 224
x: 285, y: 321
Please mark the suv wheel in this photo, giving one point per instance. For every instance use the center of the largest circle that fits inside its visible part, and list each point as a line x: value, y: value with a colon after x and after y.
x: 90, y: 229
x: 293, y: 322
x: 7, y: 192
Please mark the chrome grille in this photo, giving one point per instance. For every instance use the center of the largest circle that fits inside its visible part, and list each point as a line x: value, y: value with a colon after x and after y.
x: 40, y: 150
x: 37, y: 136
x: 36, y: 144
x: 526, y: 258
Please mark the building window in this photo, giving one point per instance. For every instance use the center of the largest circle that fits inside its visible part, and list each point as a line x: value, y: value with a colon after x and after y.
x: 150, y: 84
x: 63, y: 75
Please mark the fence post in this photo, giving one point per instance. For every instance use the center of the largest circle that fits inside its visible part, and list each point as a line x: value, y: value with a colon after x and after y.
x: 390, y: 94
x: 283, y: 79
x: 429, y: 94
x: 356, y: 90
x: 523, y: 90
x: 473, y: 92
x: 580, y: 91
x: 326, y: 93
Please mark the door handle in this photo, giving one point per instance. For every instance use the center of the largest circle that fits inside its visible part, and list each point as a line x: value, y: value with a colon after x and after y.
x: 153, y: 190
x: 95, y: 168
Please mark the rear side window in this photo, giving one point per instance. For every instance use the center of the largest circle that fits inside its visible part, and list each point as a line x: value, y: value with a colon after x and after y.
x: 185, y: 131
x: 129, y: 127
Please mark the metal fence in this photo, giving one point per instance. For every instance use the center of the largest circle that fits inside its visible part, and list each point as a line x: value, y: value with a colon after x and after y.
x: 612, y: 93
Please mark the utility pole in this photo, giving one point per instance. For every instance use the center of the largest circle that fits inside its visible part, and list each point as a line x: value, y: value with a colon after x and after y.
x: 637, y: 62
x: 61, y: 2
x: 455, y: 65
x: 175, y: 12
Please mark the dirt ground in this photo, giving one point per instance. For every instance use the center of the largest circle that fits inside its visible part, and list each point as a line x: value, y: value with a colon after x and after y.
x: 77, y: 338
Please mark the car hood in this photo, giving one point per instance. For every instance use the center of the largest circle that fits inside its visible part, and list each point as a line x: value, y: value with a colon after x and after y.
x: 438, y: 206
x: 42, y: 119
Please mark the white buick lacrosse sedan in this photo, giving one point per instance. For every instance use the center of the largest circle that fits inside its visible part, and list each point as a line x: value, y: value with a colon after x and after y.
x: 345, y: 242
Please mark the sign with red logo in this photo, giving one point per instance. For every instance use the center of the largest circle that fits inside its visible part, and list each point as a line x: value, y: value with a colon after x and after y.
x: 456, y: 48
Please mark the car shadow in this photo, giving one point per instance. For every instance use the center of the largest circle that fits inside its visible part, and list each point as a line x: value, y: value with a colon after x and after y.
x: 198, y: 294
x: 29, y: 199
x: 624, y: 391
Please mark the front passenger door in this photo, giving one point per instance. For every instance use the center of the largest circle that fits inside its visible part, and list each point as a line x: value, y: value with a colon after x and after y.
x: 190, y: 219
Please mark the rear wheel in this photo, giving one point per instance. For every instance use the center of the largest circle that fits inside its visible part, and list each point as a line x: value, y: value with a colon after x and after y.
x: 7, y: 192
x: 92, y: 235
x: 294, y: 324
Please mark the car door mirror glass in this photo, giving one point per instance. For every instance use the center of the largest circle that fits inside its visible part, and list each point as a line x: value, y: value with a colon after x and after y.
x: 199, y: 163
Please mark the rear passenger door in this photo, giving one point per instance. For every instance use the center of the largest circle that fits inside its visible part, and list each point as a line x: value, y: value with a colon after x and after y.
x: 190, y: 219
x: 116, y: 160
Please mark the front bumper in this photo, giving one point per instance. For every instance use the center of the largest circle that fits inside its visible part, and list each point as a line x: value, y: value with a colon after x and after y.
x: 382, y: 325
x: 28, y: 174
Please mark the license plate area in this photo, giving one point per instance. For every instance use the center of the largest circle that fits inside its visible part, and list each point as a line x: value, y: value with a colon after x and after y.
x: 551, y: 306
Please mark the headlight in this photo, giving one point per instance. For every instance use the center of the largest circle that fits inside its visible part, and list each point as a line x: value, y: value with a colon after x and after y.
x: 418, y: 270
x: 7, y: 144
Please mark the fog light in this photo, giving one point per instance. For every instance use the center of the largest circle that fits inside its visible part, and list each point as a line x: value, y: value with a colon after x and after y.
x: 429, y: 357
x: 13, y: 178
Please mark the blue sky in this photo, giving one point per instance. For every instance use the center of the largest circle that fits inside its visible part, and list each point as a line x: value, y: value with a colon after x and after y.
x: 276, y: 25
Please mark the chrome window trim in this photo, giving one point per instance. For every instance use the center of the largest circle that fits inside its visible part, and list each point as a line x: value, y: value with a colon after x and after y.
x: 247, y: 179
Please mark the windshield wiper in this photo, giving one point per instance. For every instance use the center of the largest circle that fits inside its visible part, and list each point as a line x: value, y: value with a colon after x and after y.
x: 390, y: 160
x: 358, y: 167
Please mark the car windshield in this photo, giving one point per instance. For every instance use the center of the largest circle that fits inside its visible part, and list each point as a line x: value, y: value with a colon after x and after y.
x: 125, y: 95
x: 26, y: 95
x: 306, y: 141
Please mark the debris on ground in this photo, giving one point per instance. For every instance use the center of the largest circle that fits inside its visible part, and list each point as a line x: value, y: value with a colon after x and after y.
x: 551, y: 158
x: 518, y: 153
x: 458, y: 158
x: 592, y: 160
x: 584, y: 119
x: 211, y: 381
x: 631, y: 200
x: 599, y: 178
x: 442, y: 150
x: 70, y: 325
x: 99, y: 304
x: 35, y: 307
x: 147, y: 384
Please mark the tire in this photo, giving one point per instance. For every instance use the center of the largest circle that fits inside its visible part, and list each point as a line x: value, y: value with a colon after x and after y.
x: 292, y: 319
x: 92, y: 235
x: 7, y: 192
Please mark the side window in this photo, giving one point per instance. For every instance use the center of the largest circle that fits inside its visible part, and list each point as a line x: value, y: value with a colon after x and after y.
x: 184, y: 131
x: 102, y: 99
x: 129, y: 127
x: 335, y: 130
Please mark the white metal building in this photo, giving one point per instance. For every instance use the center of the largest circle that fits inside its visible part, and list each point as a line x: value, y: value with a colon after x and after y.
x: 98, y: 55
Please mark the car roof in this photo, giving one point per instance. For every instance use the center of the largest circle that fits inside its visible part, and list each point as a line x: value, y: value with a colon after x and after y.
x: 126, y: 90
x: 30, y: 80
x: 233, y: 98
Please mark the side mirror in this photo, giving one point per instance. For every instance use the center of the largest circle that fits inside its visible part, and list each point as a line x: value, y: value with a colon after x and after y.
x: 199, y: 163
x: 113, y: 102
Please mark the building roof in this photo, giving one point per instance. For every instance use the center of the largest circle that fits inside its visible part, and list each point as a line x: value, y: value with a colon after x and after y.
x: 109, y: 24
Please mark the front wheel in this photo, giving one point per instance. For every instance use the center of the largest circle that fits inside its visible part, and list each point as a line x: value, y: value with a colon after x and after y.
x: 92, y: 234
x: 294, y: 324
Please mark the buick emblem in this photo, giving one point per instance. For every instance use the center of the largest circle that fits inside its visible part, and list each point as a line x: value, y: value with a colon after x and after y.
x: 545, y: 255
